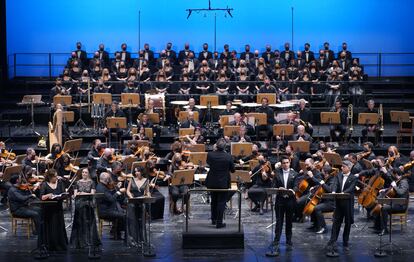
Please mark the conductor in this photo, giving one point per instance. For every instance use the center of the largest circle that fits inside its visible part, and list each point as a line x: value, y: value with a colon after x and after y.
x: 218, y: 177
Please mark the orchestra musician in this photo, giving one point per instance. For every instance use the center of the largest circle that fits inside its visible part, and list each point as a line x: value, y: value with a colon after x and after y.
x: 93, y: 156
x: 108, y: 206
x: 262, y: 178
x: 338, y: 131
x: 371, y: 128
x: 19, y: 197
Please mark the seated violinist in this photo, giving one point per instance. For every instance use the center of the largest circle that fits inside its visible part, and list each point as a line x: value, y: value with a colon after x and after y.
x: 157, y: 208
x: 104, y: 163
x: 19, y: 202
x: 261, y: 179
x: 108, y: 205
x: 177, y: 191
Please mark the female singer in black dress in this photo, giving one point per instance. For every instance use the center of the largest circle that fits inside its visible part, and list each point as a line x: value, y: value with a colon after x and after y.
x: 138, y: 186
x: 53, y: 233
x: 84, y: 231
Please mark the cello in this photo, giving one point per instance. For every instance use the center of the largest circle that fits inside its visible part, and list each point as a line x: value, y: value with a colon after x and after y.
x: 368, y: 196
x: 317, y: 195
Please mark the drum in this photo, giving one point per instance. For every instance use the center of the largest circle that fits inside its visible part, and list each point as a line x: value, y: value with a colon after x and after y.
x: 159, y: 100
x: 179, y: 103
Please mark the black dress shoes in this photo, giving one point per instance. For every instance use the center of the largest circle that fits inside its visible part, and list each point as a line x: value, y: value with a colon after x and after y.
x: 220, y: 225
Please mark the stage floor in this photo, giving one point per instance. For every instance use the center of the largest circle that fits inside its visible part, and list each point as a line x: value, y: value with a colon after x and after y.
x: 167, y: 239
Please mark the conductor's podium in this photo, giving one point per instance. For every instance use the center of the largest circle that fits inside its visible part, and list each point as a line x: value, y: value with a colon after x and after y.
x: 204, y: 235
x: 201, y: 234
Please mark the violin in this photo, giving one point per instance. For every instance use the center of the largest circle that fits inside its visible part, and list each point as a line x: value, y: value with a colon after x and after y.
x: 26, y: 187
x: 72, y: 168
x: 8, y: 155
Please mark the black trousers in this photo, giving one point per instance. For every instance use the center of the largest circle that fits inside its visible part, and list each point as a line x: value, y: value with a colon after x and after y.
x: 117, y: 217
x: 342, y: 212
x: 337, y: 128
x: 317, y: 215
x: 377, y: 132
x: 33, y: 212
x: 300, y: 205
x: 257, y: 194
x: 284, y: 208
x: 178, y: 192
x: 218, y: 204
x: 386, y: 210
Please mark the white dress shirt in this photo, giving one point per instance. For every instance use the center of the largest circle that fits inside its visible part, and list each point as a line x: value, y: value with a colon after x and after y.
x: 344, y: 181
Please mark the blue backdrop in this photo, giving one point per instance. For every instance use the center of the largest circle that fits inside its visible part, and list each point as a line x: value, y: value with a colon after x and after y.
x: 370, y: 26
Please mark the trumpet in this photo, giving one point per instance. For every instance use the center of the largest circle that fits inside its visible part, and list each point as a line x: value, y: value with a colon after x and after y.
x: 350, y: 117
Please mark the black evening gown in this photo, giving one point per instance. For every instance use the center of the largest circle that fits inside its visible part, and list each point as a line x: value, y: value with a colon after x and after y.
x: 53, y: 231
x: 84, y: 230
x: 135, y: 213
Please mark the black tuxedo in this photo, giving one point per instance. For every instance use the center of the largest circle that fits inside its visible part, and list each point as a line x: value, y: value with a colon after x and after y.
x: 126, y: 56
x: 330, y: 55
x: 243, y: 56
x: 183, y: 56
x: 268, y: 56
x: 344, y: 208
x: 218, y: 177
x: 310, y: 58
x: 149, y: 56
x: 323, y: 64
x: 171, y: 55
x: 82, y: 56
x: 348, y: 55
x: 205, y: 55
x: 104, y: 56
x: 287, y: 56
x: 284, y: 206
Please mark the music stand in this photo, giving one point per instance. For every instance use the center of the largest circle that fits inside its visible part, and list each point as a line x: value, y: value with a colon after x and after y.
x: 279, y: 192
x: 102, y: 98
x: 241, y: 177
x: 241, y: 149
x: 129, y: 100
x: 334, y: 196
x: 209, y: 100
x: 331, y: 118
x: 283, y: 130
x: 32, y: 100
x: 72, y: 145
x: 390, y: 202
x: 225, y: 120
x: 144, y: 202
x: 271, y: 97
x: 260, y: 119
x: 139, y: 163
x: 300, y: 146
x: 115, y: 122
x: 198, y: 158
x: 128, y: 162
x: 368, y: 118
x: 185, y: 131
x: 231, y: 130
x: 400, y: 117
x: 63, y: 100
x: 141, y: 143
x: 197, y: 148
x: 334, y: 159
x: 183, y: 115
x: 182, y: 177
x: 68, y: 116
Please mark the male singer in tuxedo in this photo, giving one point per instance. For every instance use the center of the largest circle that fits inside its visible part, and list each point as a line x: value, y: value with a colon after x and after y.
x: 344, y: 182
x: 81, y: 54
x: 285, y: 204
x: 218, y: 177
